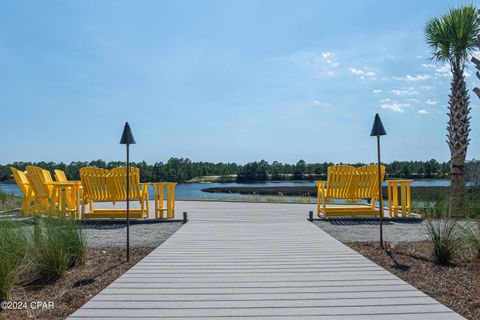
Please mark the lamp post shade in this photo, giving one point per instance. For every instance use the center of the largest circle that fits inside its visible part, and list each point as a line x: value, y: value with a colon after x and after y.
x: 377, y: 128
x: 127, y: 135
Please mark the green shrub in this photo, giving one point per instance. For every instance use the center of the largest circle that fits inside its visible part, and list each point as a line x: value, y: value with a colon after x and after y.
x: 471, y: 230
x: 14, y: 254
x: 59, y: 245
x: 445, y: 238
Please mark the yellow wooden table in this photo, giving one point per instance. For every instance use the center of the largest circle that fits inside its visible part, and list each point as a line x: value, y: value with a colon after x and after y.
x: 395, y: 187
x: 66, y: 198
x: 160, y: 190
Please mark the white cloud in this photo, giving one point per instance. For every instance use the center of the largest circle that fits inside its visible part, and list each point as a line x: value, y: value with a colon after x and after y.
x: 332, y: 63
x: 318, y: 62
x: 317, y: 102
x: 423, y: 111
x: 418, y: 77
x: 413, y: 100
x: 377, y: 91
x: 443, y: 71
x: 431, y: 102
x: 363, y: 74
x: 395, y: 106
x: 326, y: 54
x: 426, y: 87
x: 419, y: 57
x: 404, y: 91
x: 429, y: 65
x: 386, y: 100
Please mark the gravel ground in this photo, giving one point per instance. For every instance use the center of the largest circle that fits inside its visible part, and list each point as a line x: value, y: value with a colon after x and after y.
x: 394, y: 232
x: 141, y: 235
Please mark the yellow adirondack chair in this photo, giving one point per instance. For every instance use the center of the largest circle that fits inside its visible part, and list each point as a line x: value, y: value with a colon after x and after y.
x: 101, y: 185
x: 40, y: 181
x: 352, y: 184
x: 60, y: 176
x: 47, y: 196
x: 27, y: 191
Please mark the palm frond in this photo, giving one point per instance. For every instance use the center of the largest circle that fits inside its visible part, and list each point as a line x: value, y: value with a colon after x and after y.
x: 453, y: 36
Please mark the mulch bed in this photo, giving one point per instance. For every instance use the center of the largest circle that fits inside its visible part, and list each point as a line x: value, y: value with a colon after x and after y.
x: 453, y: 286
x: 78, y: 285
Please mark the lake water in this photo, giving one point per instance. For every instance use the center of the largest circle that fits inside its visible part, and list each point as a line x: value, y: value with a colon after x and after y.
x: 189, y: 191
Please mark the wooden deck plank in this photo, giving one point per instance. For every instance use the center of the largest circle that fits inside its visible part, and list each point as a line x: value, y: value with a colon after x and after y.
x: 257, y: 261
x: 262, y: 296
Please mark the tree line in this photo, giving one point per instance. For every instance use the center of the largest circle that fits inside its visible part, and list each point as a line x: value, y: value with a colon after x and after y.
x: 182, y: 170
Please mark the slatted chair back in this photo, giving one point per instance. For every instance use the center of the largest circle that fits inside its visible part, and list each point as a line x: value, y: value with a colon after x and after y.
x: 22, y: 181
x: 40, y: 180
x: 95, y: 186
x: 120, y: 181
x: 60, y: 176
x: 339, y: 181
x: 348, y: 182
x: 367, y: 185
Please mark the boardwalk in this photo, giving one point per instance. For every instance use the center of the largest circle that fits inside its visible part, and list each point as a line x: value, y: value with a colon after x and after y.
x: 258, y: 261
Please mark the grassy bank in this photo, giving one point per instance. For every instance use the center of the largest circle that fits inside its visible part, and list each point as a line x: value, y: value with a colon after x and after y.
x: 8, y: 201
x: 424, y: 193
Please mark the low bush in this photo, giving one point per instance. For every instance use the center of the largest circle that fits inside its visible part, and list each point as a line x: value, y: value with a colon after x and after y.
x: 446, y: 239
x: 15, y: 248
x: 471, y: 230
x: 59, y: 245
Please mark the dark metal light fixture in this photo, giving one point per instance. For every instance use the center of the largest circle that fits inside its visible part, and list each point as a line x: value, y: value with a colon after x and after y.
x: 128, y: 139
x: 377, y: 131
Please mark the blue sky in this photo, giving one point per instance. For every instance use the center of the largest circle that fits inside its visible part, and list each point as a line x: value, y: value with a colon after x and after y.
x: 223, y: 80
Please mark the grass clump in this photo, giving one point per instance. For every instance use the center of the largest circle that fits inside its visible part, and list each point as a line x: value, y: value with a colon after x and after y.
x: 9, y: 201
x: 445, y: 238
x: 59, y: 245
x: 471, y: 232
x: 14, y: 255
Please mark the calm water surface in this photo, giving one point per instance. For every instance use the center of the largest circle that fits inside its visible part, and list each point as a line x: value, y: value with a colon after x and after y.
x: 189, y: 191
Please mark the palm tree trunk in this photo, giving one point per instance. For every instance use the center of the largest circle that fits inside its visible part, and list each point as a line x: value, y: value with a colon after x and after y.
x: 458, y: 131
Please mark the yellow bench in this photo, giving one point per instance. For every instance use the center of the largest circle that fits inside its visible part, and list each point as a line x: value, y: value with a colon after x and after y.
x: 101, y: 185
x: 351, y: 184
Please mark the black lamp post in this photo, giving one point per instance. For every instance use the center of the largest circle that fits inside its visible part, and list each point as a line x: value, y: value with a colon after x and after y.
x: 128, y: 139
x: 378, y: 130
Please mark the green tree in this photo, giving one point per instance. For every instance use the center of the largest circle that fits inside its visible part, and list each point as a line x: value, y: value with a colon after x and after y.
x: 300, y: 170
x: 452, y: 37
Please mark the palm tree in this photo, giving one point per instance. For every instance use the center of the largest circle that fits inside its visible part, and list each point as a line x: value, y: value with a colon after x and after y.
x: 452, y: 38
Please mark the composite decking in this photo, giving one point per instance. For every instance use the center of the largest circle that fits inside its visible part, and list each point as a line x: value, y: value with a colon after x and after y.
x: 257, y: 261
